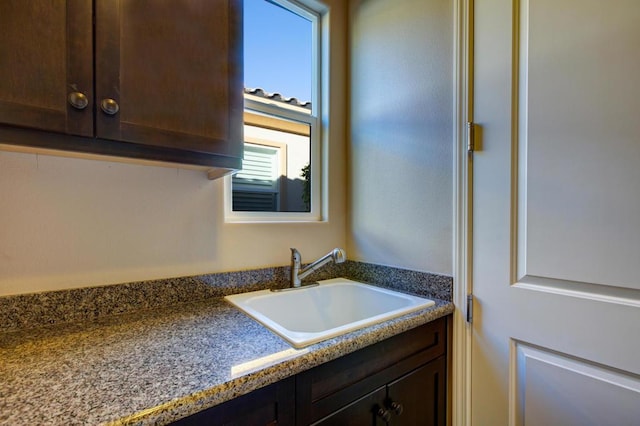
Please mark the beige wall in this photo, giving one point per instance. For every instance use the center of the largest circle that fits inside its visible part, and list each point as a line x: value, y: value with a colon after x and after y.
x: 67, y: 223
x: 401, y: 150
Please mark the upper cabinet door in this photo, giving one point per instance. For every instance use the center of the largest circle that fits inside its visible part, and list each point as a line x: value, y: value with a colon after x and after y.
x: 169, y: 74
x: 46, y: 65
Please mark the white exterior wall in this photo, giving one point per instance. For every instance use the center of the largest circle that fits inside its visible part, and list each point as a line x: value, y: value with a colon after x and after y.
x: 298, y: 149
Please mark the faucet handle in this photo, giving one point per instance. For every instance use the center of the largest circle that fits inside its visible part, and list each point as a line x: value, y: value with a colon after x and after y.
x: 295, y: 255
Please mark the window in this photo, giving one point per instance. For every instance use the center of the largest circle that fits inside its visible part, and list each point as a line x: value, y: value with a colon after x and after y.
x: 281, y: 176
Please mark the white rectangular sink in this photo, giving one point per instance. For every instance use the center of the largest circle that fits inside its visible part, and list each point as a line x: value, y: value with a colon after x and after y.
x: 308, y: 315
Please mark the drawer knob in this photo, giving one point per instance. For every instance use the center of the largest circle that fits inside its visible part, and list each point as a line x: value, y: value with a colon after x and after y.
x: 78, y: 100
x: 109, y: 106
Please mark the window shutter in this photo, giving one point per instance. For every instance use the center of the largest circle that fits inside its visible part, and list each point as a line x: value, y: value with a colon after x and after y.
x: 256, y: 186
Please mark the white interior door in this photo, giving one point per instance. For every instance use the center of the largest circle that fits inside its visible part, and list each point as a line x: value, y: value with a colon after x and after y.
x: 556, y: 213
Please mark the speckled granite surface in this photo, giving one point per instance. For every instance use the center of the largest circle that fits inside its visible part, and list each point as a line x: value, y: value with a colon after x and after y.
x: 34, y: 310
x: 432, y: 286
x: 155, y: 366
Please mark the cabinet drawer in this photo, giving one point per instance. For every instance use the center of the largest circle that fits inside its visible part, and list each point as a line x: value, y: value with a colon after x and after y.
x: 328, y: 387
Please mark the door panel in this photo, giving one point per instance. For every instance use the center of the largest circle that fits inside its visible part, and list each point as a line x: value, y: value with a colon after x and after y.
x: 362, y: 412
x: 41, y: 64
x: 554, y: 389
x: 422, y: 396
x: 578, y: 141
x: 144, y: 51
x: 556, y: 216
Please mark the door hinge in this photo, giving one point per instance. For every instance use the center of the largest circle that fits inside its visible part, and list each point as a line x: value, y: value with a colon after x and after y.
x: 470, y: 308
x: 470, y: 137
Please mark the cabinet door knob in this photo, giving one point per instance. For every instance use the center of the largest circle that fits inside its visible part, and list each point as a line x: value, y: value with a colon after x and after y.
x: 383, y: 414
x: 78, y: 100
x: 109, y: 106
x: 396, y: 407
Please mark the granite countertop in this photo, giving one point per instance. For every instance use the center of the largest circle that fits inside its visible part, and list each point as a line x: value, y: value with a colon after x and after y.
x: 156, y: 366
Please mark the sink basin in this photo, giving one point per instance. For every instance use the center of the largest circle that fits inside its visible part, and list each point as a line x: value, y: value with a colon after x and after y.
x: 312, y: 314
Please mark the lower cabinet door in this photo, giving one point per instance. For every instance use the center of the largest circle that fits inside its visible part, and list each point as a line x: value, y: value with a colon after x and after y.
x: 366, y: 411
x: 419, y: 398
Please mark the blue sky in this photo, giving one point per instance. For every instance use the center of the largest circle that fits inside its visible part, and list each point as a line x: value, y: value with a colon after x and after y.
x: 277, y: 50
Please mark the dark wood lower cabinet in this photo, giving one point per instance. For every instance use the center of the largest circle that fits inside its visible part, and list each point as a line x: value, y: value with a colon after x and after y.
x: 417, y: 398
x: 410, y: 367
x: 366, y: 411
x: 399, y: 381
x: 271, y: 405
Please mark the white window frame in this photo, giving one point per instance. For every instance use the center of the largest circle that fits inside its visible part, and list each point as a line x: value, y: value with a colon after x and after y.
x: 316, y: 119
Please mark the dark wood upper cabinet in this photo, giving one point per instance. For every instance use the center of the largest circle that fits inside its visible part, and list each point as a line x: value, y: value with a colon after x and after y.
x: 150, y: 79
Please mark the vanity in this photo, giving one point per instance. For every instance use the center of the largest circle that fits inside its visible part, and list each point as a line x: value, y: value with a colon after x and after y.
x: 398, y: 381
x: 206, y: 361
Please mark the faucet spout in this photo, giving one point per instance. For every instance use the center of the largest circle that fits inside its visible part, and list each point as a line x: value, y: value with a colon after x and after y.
x: 298, y: 273
x: 296, y: 260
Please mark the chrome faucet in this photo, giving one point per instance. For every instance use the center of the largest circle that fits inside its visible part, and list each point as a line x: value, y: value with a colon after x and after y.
x: 338, y: 255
